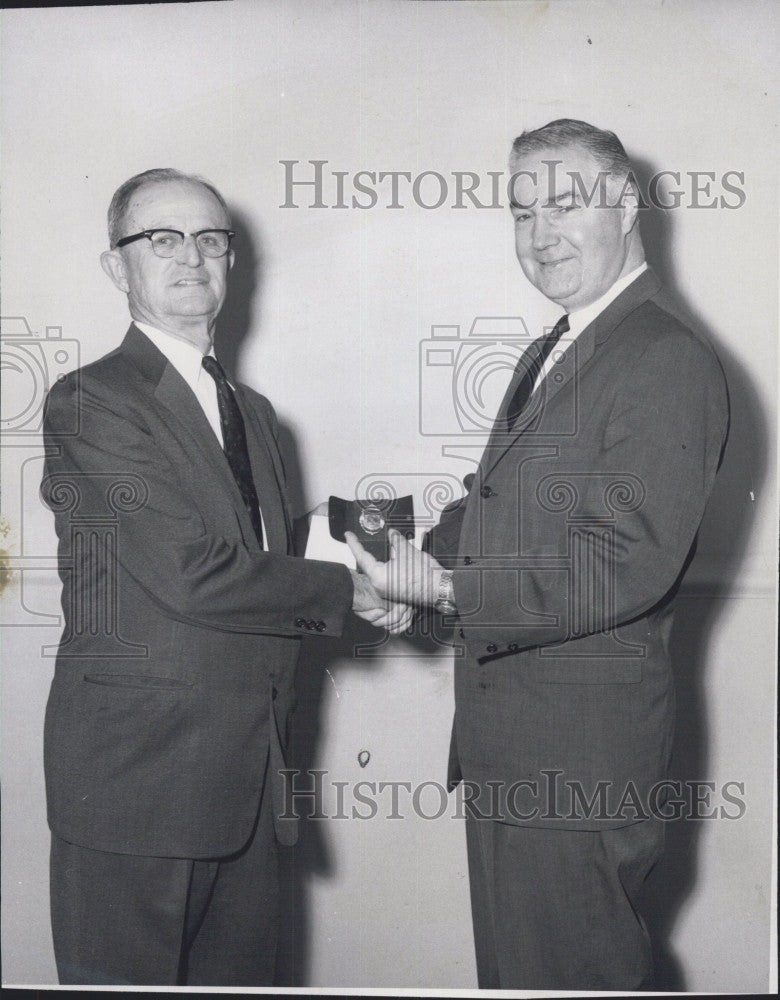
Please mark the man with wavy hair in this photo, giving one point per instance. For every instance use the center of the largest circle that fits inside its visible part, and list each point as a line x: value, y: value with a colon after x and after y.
x: 559, y: 570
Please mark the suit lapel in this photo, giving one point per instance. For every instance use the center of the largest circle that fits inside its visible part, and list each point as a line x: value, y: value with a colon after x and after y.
x: 576, y: 358
x: 177, y: 397
x: 268, y: 475
x: 171, y: 391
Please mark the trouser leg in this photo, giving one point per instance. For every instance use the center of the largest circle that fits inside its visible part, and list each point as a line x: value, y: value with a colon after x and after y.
x: 236, y: 941
x: 479, y: 847
x: 117, y: 919
x: 555, y: 909
x: 121, y: 919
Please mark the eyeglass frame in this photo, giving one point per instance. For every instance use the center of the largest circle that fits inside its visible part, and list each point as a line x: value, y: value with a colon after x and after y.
x: 148, y: 233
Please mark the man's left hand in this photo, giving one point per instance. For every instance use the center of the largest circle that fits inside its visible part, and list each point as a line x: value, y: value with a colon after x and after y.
x: 409, y: 577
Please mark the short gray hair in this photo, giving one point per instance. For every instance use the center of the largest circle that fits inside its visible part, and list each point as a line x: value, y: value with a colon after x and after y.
x: 117, y: 210
x: 604, y: 146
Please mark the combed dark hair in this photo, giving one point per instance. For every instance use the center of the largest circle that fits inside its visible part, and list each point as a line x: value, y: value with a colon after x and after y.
x: 604, y: 146
x: 123, y: 194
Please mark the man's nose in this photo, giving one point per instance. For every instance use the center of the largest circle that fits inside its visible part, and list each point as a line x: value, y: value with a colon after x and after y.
x: 189, y: 252
x: 544, y: 233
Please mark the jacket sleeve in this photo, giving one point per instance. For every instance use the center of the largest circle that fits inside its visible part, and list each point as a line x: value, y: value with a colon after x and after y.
x: 651, y: 470
x: 442, y: 541
x: 112, y: 462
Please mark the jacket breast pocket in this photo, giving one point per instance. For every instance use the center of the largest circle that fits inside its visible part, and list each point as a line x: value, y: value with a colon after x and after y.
x: 143, y: 682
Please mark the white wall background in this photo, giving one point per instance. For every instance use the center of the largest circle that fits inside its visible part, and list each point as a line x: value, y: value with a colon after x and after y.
x: 329, y: 311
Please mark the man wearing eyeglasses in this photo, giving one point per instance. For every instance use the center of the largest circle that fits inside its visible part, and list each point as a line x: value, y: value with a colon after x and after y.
x: 166, y: 721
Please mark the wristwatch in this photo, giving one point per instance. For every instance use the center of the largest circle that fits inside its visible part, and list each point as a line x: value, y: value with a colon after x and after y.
x: 445, y: 601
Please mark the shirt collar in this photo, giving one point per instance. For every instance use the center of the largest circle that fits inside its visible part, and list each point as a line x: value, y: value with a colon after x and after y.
x: 185, y: 357
x: 580, y: 318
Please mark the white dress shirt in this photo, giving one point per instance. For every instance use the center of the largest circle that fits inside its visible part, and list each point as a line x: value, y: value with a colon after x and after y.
x: 188, y: 362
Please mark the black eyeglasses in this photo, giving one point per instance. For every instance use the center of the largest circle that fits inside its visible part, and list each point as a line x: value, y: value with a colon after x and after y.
x: 168, y: 242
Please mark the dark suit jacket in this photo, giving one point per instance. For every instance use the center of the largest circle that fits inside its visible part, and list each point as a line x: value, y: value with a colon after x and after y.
x: 567, y: 551
x: 174, y: 676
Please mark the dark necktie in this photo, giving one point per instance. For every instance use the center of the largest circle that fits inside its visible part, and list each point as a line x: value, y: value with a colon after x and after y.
x: 234, y: 437
x: 531, y: 363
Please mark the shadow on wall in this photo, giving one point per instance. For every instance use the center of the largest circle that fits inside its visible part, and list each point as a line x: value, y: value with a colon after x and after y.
x: 722, y: 543
x: 240, y: 312
x: 312, y: 856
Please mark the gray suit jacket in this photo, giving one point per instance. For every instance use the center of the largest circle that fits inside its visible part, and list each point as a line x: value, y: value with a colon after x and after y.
x: 174, y: 677
x: 568, y: 551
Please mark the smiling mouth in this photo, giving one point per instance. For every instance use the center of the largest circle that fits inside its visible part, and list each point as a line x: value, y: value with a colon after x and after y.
x: 190, y: 281
x: 553, y: 263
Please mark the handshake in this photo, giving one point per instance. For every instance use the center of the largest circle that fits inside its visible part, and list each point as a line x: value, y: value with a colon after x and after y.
x: 386, y: 590
x: 387, y: 593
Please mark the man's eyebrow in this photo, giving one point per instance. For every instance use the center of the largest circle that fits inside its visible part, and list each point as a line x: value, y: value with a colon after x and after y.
x: 554, y: 199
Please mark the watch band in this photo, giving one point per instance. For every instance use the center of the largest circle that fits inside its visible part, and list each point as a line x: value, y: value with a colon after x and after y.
x: 445, y: 601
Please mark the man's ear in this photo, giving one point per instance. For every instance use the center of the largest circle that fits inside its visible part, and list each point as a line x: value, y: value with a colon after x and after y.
x: 231, y: 257
x: 113, y: 264
x: 629, y: 204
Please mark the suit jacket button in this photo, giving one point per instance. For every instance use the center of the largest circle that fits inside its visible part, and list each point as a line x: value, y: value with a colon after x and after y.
x: 492, y: 648
x: 513, y: 647
x: 467, y: 560
x: 311, y: 624
x: 321, y: 626
x: 461, y: 633
x: 300, y: 623
x: 486, y: 492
